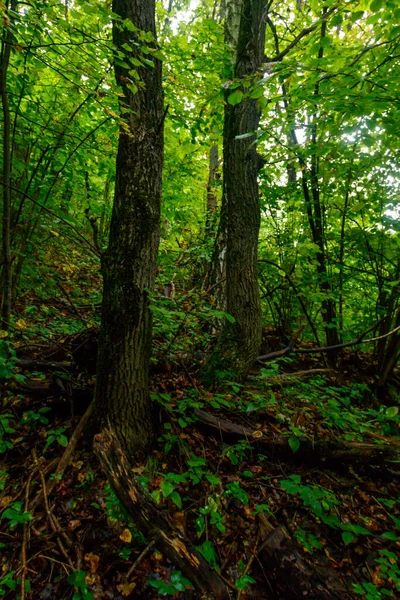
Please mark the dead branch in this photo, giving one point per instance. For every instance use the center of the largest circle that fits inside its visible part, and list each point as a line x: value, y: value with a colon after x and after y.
x: 148, y: 516
x: 359, y: 340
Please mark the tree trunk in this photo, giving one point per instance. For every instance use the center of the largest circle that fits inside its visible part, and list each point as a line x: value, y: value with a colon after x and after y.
x: 6, y: 175
x: 240, y: 341
x: 129, y: 263
x: 215, y: 282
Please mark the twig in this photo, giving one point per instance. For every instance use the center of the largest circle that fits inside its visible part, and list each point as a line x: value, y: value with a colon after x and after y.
x: 250, y: 562
x: 52, y: 519
x: 68, y: 453
x: 139, y: 558
x: 25, y: 536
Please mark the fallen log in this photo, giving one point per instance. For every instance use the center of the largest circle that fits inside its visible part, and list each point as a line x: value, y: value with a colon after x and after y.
x: 310, y: 450
x: 149, y: 518
x: 291, y: 575
x: 44, y: 365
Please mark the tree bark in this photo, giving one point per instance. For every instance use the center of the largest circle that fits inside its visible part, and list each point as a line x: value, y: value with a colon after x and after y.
x: 240, y: 341
x: 129, y: 263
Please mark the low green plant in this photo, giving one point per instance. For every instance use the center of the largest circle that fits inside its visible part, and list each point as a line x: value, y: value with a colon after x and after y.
x: 7, y: 583
x: 5, y: 428
x: 212, y: 511
x: 307, y: 540
x: 208, y: 551
x: 8, y: 360
x: 237, y: 452
x: 245, y: 579
x: 56, y: 435
x: 389, y: 571
x: 234, y: 490
x: 322, y: 503
x: 15, y: 514
x: 3, y: 479
x: 30, y: 417
x: 177, y: 583
x: 78, y: 580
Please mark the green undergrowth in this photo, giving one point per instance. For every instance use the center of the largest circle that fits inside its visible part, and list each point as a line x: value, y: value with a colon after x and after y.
x: 215, y: 492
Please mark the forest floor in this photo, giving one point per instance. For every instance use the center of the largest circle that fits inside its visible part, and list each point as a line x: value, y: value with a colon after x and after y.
x: 310, y: 459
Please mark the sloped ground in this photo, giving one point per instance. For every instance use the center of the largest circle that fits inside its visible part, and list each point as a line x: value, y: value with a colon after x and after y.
x: 68, y: 536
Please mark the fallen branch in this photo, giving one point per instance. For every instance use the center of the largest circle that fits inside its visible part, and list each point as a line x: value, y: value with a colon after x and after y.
x: 289, y: 349
x: 332, y: 451
x: 279, y: 380
x: 149, y: 518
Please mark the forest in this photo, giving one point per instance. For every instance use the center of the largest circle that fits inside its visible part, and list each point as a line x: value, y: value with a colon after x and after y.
x: 200, y: 299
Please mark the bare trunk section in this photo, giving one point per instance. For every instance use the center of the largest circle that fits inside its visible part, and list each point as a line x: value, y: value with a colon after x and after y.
x: 129, y: 264
x: 240, y: 341
x: 231, y: 11
x: 212, y: 181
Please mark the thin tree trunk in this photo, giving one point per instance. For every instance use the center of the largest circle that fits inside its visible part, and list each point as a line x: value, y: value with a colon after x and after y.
x: 212, y: 180
x: 328, y: 305
x: 129, y: 264
x: 231, y: 11
x: 240, y: 341
x: 6, y: 175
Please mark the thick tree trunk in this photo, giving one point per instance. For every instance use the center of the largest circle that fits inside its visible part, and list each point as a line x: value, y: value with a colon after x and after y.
x: 240, y: 341
x: 129, y: 264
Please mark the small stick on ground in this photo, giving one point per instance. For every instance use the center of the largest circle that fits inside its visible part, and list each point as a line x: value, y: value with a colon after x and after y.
x: 25, y: 537
x: 140, y: 558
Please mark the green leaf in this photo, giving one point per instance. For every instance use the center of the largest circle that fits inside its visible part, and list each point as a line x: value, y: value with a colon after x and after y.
x: 243, y: 582
x: 392, y: 412
x: 356, y: 529
x: 236, y: 97
x: 167, y: 488
x: 294, y: 443
x: 63, y: 440
x: 257, y: 92
x: 376, y: 5
x: 213, y: 479
x: 207, y: 550
x: 347, y: 537
x: 176, y: 499
x: 390, y: 535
